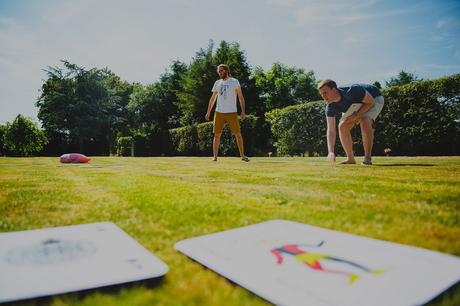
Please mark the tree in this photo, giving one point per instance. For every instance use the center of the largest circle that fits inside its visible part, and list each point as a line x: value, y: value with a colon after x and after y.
x: 232, y: 55
x: 2, y: 133
x: 402, y: 78
x: 282, y: 86
x: 198, y: 81
x: 201, y: 75
x: 146, y: 107
x: 80, y: 108
x: 377, y: 84
x: 169, y: 86
x: 118, y: 118
x: 23, y: 137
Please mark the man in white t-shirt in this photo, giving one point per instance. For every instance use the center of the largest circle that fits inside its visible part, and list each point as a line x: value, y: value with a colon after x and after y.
x: 225, y: 91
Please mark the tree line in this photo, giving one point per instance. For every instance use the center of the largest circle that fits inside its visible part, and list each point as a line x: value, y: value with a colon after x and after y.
x: 94, y: 111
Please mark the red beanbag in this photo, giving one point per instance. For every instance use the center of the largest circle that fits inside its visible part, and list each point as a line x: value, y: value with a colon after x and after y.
x: 74, y: 158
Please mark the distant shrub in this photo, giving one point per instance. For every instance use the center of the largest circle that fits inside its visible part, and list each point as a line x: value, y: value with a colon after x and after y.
x: 124, y: 145
x: 197, y: 139
x: 299, y: 129
x: 184, y: 140
x: 2, y: 133
x: 22, y: 137
x: 421, y: 118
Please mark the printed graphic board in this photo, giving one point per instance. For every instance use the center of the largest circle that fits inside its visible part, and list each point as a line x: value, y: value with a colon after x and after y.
x: 289, y: 263
x: 64, y: 259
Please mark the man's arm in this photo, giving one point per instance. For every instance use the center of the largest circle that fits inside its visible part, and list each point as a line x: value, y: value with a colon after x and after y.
x: 331, y: 135
x: 368, y: 101
x: 242, y: 103
x: 212, y: 100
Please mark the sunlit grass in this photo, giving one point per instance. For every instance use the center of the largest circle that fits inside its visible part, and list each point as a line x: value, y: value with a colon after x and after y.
x: 159, y: 201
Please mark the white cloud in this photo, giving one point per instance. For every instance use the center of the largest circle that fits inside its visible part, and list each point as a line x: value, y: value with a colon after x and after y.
x: 132, y: 43
x: 444, y: 67
x: 457, y: 54
x: 353, y: 38
x: 333, y: 12
x: 444, y: 22
x: 283, y: 3
x: 341, y: 13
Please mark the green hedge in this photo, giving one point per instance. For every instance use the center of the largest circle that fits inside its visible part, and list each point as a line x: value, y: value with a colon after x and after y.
x: 184, y: 140
x: 420, y: 118
x: 124, y: 146
x: 156, y: 143
x: 196, y: 140
x: 2, y: 133
x: 299, y: 129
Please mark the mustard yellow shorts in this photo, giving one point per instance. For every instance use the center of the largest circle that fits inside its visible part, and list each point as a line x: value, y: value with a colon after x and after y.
x: 221, y: 118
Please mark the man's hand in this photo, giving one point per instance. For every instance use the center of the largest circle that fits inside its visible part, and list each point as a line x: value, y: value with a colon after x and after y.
x: 243, y: 115
x: 330, y: 157
x: 206, y: 117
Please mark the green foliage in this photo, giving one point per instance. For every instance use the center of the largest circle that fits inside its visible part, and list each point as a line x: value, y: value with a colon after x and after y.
x: 205, y: 136
x: 82, y: 109
x: 119, y: 119
x: 141, y: 145
x: 2, y: 133
x: 86, y: 110
x: 169, y: 86
x: 403, y: 78
x: 22, y: 137
x: 200, y: 77
x: 377, y: 84
x: 282, y: 86
x: 153, y: 106
x: 421, y: 118
x: 184, y: 140
x: 124, y: 145
x: 299, y: 129
x: 197, y: 139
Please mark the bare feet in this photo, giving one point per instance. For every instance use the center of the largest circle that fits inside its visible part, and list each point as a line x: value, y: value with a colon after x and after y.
x: 214, y: 159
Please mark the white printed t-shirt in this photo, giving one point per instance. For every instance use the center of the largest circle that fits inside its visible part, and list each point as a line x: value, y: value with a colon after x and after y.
x: 226, y: 95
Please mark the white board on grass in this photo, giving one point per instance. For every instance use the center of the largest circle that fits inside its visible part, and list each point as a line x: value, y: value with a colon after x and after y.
x: 289, y: 263
x: 72, y: 258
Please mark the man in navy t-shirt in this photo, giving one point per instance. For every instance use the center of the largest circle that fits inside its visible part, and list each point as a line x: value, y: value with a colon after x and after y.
x: 368, y: 102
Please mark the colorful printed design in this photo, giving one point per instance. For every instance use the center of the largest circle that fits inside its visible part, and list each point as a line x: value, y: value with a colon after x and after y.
x: 223, y: 90
x: 312, y: 260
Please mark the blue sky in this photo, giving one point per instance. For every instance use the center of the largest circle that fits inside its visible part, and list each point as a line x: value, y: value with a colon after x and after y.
x: 346, y: 40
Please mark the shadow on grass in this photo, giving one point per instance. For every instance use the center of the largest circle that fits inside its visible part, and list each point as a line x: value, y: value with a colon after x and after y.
x: 80, y: 295
x: 404, y: 165
x: 449, y: 297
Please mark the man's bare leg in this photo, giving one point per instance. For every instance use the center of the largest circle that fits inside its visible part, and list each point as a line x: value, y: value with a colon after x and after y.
x: 215, y: 145
x: 240, y: 144
x: 367, y: 132
x: 347, y: 142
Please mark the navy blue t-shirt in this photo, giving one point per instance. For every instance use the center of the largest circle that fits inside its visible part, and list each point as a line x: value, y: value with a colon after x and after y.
x: 350, y: 94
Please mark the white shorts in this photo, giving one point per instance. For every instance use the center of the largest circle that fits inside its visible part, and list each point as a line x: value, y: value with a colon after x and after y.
x: 375, y: 110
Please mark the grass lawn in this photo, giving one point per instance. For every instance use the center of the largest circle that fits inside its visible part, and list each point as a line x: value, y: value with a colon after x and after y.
x: 159, y: 201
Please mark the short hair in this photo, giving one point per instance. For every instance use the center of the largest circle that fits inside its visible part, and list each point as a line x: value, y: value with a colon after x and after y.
x: 329, y: 83
x: 225, y: 68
